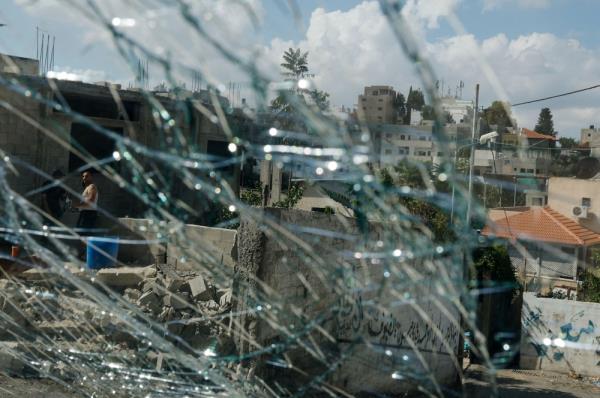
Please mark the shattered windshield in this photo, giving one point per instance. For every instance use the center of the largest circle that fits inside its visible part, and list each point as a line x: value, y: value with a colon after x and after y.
x: 299, y: 198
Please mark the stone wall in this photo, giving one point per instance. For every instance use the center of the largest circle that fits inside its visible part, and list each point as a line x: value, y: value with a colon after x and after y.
x: 560, y: 335
x: 313, y: 306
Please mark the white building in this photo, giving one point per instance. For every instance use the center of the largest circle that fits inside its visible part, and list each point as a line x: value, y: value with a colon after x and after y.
x: 400, y: 142
x: 591, y: 137
x: 459, y: 109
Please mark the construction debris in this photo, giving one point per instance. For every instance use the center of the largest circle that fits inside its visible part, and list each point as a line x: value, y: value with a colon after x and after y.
x: 187, y: 306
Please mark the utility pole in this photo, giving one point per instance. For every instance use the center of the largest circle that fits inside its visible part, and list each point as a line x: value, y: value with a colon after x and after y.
x: 472, y: 157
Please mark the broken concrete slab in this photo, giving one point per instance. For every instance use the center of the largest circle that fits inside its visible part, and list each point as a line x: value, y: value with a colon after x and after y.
x: 199, y: 289
x: 150, y: 300
x: 176, y: 301
x: 45, y: 274
x: 125, y: 276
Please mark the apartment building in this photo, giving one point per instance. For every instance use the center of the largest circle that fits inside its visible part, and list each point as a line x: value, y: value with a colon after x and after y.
x: 376, y: 105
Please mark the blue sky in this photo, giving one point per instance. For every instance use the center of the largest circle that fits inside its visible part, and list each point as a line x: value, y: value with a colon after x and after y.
x: 533, y: 47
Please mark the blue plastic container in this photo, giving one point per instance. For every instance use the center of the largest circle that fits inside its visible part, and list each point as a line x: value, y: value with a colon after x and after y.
x: 102, y: 252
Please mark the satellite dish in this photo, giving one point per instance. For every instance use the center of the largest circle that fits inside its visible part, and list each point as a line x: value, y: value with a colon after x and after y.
x: 587, y: 168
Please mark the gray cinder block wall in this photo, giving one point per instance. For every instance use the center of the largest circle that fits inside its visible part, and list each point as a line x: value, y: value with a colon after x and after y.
x: 308, y: 309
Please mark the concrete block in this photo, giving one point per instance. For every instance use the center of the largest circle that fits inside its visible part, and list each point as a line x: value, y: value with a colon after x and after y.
x: 151, y: 301
x: 176, y: 301
x: 125, y: 276
x: 198, y: 289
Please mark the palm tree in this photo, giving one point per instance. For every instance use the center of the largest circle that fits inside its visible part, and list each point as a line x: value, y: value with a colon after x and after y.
x: 295, y: 64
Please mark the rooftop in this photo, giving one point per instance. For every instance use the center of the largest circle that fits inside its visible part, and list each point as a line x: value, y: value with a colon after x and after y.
x: 542, y: 224
x: 538, y: 136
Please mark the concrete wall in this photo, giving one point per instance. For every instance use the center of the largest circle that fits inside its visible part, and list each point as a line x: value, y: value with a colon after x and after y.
x: 19, y: 65
x: 560, y: 335
x: 565, y: 193
x: 182, y: 246
x: 143, y: 241
x: 315, y: 197
x: 200, y: 248
x: 332, y: 300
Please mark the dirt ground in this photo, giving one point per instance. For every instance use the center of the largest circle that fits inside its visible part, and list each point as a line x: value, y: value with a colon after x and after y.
x: 515, y: 383
x: 511, y: 384
x: 33, y: 388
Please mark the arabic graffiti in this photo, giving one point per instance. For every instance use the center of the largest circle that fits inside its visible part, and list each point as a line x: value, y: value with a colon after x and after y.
x: 394, y: 327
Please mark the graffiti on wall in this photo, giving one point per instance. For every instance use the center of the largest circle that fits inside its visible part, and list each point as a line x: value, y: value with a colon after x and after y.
x: 399, y: 327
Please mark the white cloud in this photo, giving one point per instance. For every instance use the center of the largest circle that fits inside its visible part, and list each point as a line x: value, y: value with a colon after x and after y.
x: 492, y: 4
x: 83, y: 75
x: 165, y: 31
x: 349, y: 50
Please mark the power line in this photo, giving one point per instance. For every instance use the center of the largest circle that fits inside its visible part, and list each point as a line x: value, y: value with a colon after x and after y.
x: 557, y: 96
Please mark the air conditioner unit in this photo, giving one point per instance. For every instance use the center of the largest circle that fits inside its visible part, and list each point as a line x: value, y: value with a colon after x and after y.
x: 580, y: 211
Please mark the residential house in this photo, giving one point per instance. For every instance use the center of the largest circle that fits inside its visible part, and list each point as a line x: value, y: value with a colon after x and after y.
x: 543, y: 242
x: 555, y: 241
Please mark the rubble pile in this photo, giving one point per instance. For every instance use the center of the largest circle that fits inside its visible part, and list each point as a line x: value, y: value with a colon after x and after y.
x: 51, y: 328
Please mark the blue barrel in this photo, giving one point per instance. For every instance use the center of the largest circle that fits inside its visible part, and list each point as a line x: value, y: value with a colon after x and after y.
x: 102, y: 252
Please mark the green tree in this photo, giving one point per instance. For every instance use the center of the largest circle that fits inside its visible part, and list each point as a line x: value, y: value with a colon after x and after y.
x: 497, y: 114
x: 320, y: 99
x: 567, y: 143
x: 400, y: 106
x: 295, y: 64
x: 493, y: 264
x: 545, y: 124
x: 294, y: 68
x: 428, y: 113
x: 415, y: 100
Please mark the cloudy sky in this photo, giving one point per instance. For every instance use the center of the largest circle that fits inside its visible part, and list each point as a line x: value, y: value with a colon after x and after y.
x: 517, y: 49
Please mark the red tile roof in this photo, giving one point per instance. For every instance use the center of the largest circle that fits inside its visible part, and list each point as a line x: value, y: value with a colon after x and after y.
x: 535, y: 135
x: 542, y: 224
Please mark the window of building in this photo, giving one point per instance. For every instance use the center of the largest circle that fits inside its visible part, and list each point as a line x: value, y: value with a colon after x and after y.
x: 428, y: 153
x: 380, y: 99
x: 102, y: 107
x: 537, y: 201
x: 98, y: 145
x: 522, y: 170
x: 364, y: 108
x: 379, y: 109
x: 375, y: 92
x: 440, y: 154
x: 402, y: 137
x: 364, y: 99
x: 422, y: 138
x: 586, y: 202
x: 388, y: 151
x: 530, y: 171
x: 404, y: 150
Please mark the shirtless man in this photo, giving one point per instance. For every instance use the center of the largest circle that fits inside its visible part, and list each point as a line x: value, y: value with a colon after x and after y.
x: 88, y: 209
